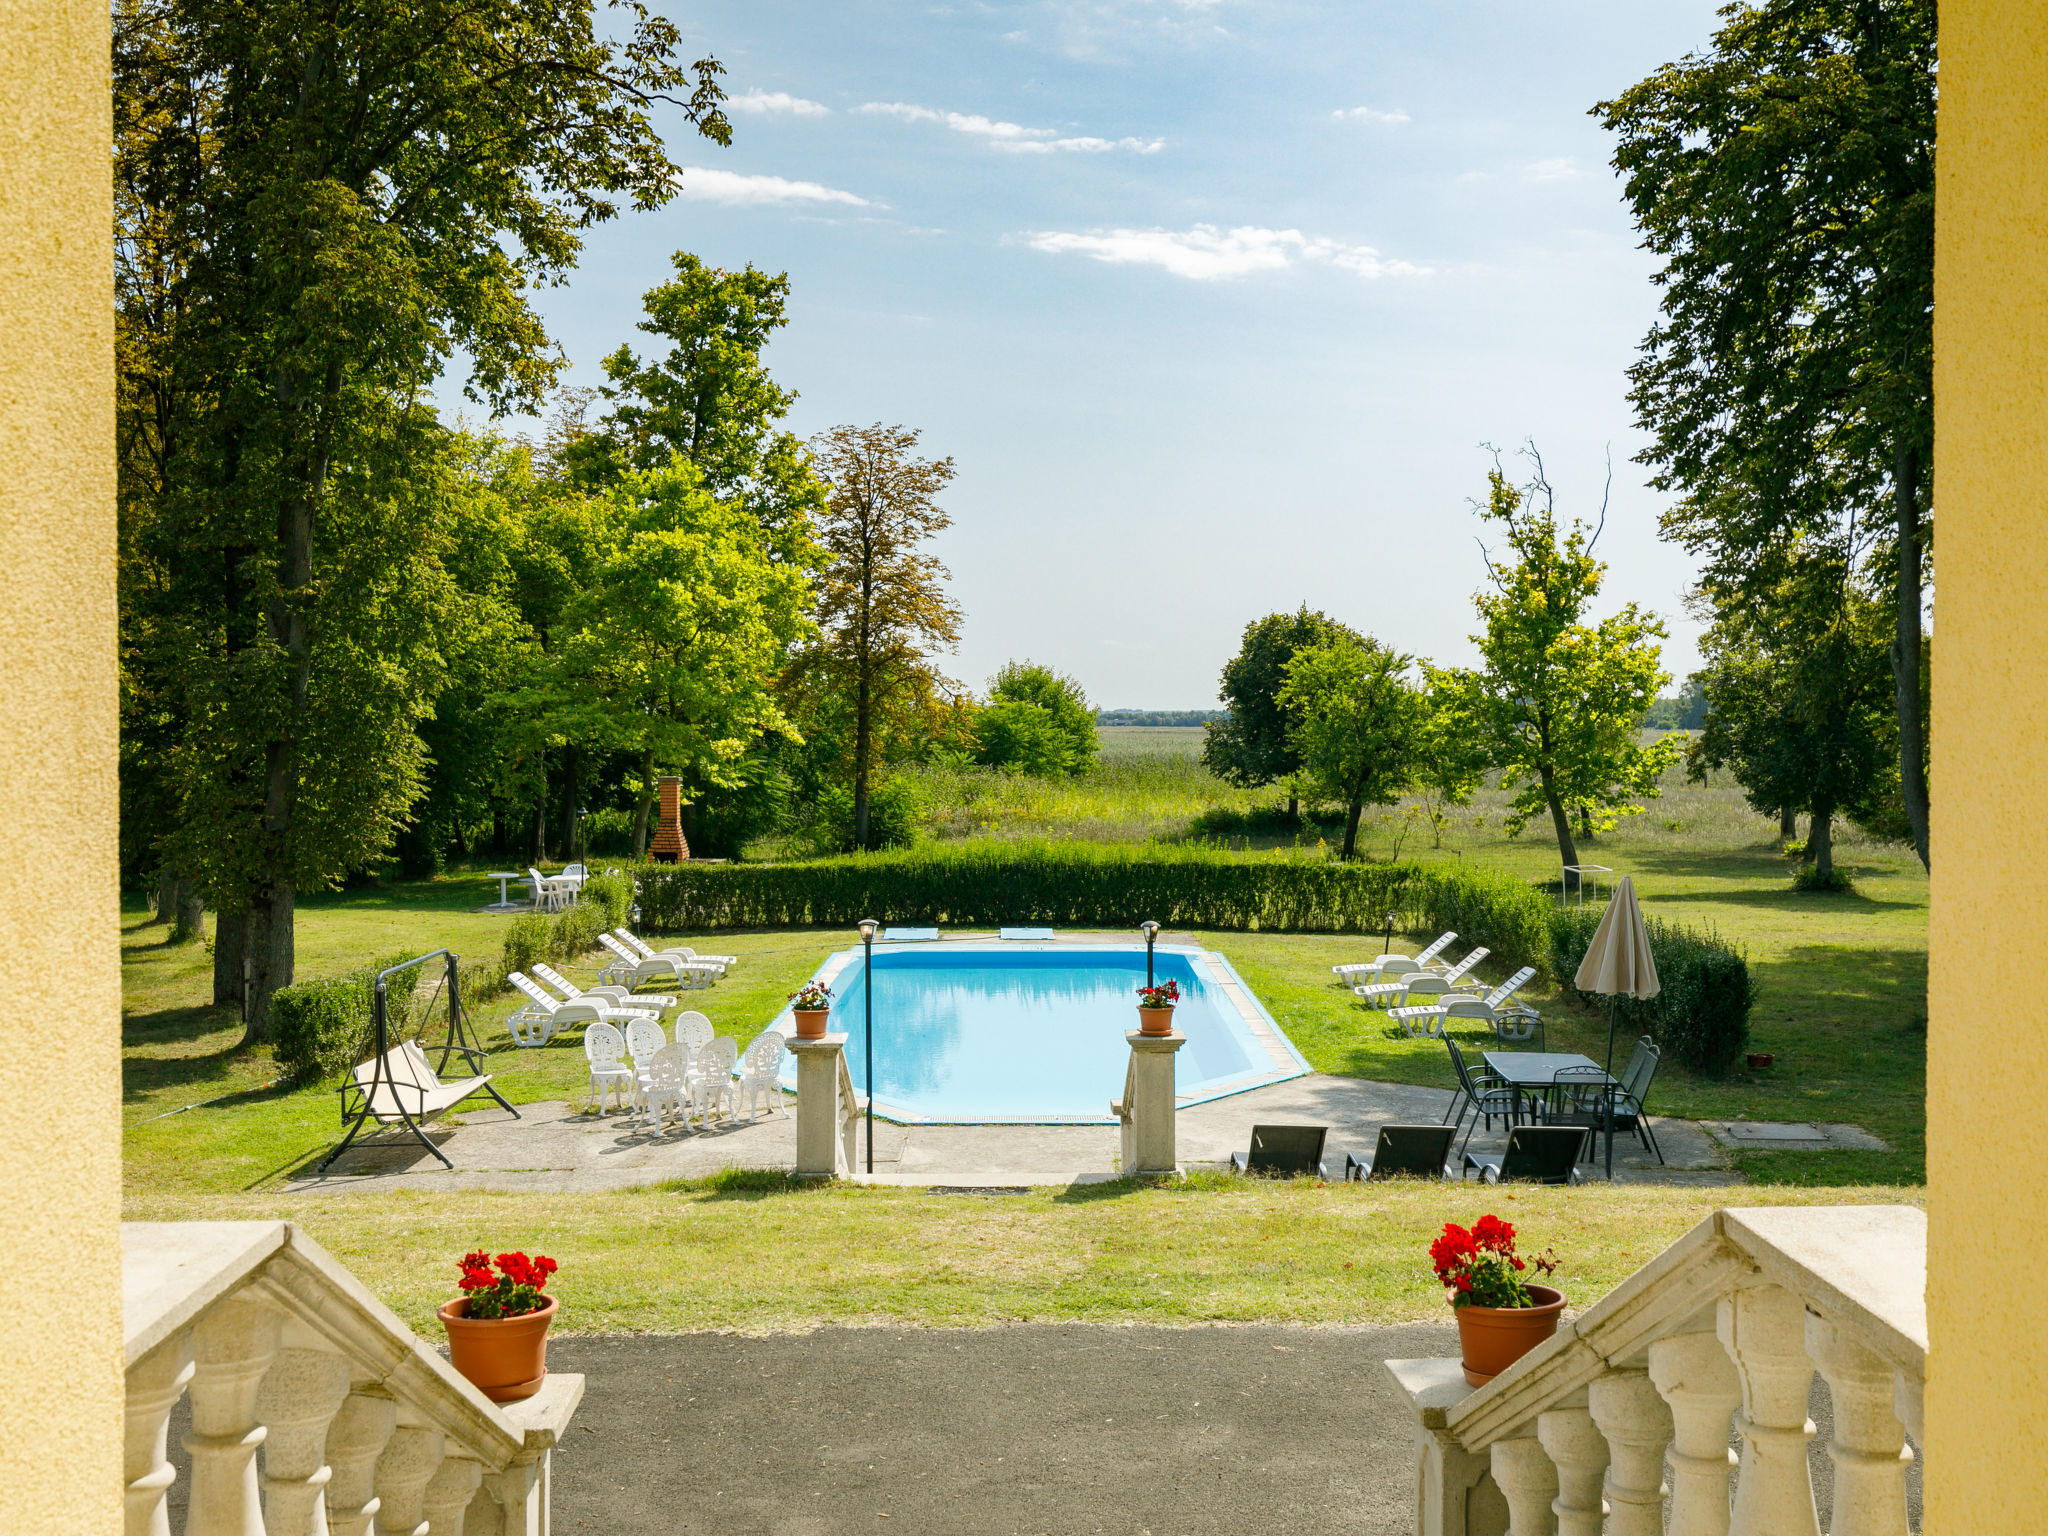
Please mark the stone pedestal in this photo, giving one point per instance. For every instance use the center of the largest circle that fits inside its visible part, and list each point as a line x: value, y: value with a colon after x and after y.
x: 820, y: 1109
x: 1148, y: 1104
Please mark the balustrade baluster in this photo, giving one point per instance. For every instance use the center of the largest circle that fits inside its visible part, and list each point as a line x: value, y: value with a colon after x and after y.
x: 355, y: 1440
x: 1869, y: 1444
x: 1579, y: 1452
x: 410, y: 1460
x: 154, y: 1387
x: 448, y: 1494
x: 232, y: 1346
x: 1527, y: 1478
x: 300, y: 1395
x: 1764, y: 1331
x: 520, y: 1495
x: 1637, y: 1424
x: 1693, y: 1374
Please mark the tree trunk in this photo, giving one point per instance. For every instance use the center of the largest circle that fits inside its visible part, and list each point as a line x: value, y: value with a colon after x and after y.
x: 270, y: 955
x: 1820, y: 843
x: 166, y: 895
x: 1585, y: 823
x: 1294, y: 808
x: 645, y: 808
x: 862, y: 729
x: 571, y: 788
x: 1567, y: 850
x: 191, y: 914
x: 230, y: 946
x: 501, y: 842
x: 1905, y: 651
x: 1351, y: 816
x: 1788, y: 823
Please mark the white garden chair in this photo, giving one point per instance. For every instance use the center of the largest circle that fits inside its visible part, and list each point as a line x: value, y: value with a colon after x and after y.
x: 643, y: 1038
x: 1419, y: 984
x: 694, y: 1030
x: 760, y: 1073
x: 619, y: 998
x: 711, y: 1081
x: 1376, y: 969
x: 647, y: 951
x: 605, y: 1050
x: 666, y: 1087
x: 549, y: 895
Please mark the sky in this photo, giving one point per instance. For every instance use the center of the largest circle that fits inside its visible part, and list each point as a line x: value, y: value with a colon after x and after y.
x: 1214, y: 304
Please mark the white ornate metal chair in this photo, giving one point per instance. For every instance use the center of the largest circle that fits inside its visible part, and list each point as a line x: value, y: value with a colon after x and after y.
x: 760, y: 1073
x: 711, y: 1080
x: 644, y: 1037
x: 605, y: 1050
x: 694, y: 1030
x: 666, y: 1086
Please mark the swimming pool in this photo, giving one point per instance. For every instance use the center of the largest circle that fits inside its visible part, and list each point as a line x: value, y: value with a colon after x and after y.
x: 1005, y: 1033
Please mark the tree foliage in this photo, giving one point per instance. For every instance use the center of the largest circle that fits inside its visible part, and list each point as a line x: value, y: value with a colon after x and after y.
x: 1252, y: 745
x: 1036, y: 720
x: 1786, y: 178
x: 1359, y: 723
x: 1558, y: 700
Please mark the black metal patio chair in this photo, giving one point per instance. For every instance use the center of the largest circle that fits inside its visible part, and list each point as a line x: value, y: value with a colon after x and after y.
x: 1421, y: 1151
x: 1284, y: 1150
x: 1479, y: 1094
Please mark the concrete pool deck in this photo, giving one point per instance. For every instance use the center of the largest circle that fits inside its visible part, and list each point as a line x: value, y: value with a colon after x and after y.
x: 558, y: 1147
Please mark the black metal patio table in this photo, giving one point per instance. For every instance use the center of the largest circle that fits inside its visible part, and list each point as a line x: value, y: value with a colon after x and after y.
x: 1537, y: 1070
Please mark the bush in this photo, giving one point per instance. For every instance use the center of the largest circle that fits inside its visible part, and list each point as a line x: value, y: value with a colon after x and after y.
x: 1702, y: 1014
x: 1097, y: 885
x: 896, y: 810
x: 323, y: 1026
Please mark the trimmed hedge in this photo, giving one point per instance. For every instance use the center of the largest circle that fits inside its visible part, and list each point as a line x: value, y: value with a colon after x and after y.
x: 1702, y: 1014
x: 322, y: 1027
x: 987, y: 883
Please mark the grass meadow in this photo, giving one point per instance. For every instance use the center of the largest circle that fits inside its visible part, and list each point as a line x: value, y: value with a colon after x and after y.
x: 1841, y: 1004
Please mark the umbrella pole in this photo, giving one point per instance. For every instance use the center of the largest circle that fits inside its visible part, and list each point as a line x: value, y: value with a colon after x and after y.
x: 1607, y: 1092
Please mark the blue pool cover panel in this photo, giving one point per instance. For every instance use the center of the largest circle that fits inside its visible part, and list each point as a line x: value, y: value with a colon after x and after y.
x: 989, y: 1035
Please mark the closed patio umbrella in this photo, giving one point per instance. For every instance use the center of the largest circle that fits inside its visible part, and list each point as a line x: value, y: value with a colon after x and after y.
x: 1618, y: 964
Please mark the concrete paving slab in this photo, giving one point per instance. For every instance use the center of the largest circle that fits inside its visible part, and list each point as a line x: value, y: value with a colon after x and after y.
x: 559, y: 1147
x: 1787, y: 1136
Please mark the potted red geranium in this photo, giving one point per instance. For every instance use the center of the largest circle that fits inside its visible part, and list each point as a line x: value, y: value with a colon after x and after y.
x: 812, y: 1005
x: 1501, y: 1317
x: 498, y: 1326
x: 1155, y: 1008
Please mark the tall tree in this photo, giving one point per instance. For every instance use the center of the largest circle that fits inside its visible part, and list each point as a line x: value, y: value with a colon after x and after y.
x: 341, y: 199
x: 1559, y: 700
x: 671, y: 650
x: 1252, y: 745
x: 1786, y: 178
x: 883, y: 611
x: 1359, y: 723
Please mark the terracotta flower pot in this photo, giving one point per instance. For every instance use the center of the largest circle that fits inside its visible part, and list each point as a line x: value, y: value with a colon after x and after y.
x: 810, y: 1022
x: 506, y: 1358
x: 1155, y: 1021
x: 1758, y: 1060
x: 1490, y: 1339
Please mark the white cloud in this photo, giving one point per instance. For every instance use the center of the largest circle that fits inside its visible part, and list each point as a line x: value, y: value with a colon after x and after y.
x: 730, y: 187
x: 1370, y: 115
x: 1559, y: 168
x: 1205, y: 252
x: 1012, y: 137
x: 760, y: 103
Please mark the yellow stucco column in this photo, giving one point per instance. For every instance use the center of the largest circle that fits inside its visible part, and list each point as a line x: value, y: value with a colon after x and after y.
x: 60, y: 1124
x: 1987, y: 1386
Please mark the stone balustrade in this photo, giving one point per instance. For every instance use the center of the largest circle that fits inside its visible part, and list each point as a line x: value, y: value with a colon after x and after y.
x: 314, y: 1410
x: 1621, y: 1423
x: 828, y: 1110
x: 1146, y: 1113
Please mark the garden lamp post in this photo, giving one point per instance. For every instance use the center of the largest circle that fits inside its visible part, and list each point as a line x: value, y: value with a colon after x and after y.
x: 867, y: 993
x: 1388, y: 944
x: 1151, y: 931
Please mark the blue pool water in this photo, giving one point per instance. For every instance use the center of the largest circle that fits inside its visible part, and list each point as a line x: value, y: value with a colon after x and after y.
x: 982, y: 1034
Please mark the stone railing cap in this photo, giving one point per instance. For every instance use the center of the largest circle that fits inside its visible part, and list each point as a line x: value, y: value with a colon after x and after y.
x: 173, y: 1271
x: 1434, y: 1387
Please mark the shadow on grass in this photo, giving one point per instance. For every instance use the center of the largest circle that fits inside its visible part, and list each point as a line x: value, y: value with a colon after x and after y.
x: 1780, y: 896
x: 172, y: 1024
x: 144, y: 1075
x: 1828, y: 1170
x: 736, y: 1184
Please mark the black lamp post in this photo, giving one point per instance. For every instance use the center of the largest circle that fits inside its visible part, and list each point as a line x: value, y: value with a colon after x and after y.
x: 1151, y: 931
x: 867, y: 990
x: 1392, y: 918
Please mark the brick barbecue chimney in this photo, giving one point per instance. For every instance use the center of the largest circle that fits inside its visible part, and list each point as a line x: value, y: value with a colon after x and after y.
x: 669, y: 845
